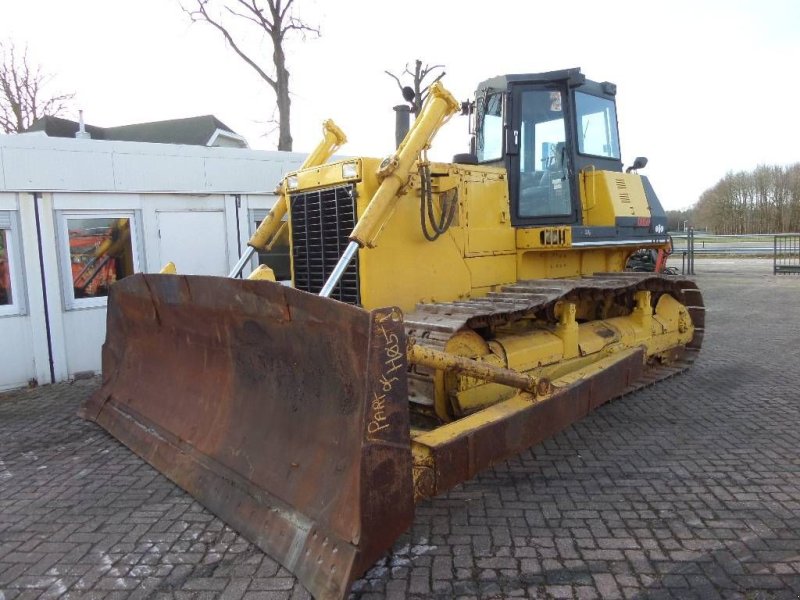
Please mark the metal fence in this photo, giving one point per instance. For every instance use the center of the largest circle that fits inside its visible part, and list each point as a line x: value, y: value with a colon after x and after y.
x: 786, y: 253
x: 783, y: 248
x: 757, y: 244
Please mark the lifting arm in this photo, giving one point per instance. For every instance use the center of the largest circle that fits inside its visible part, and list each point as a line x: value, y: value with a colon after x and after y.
x: 270, y: 228
x: 395, y: 172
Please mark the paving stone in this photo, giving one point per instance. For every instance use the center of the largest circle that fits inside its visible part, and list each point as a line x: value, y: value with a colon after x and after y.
x: 687, y: 489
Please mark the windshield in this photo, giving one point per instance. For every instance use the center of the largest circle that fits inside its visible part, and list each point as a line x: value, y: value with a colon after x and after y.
x: 597, y: 126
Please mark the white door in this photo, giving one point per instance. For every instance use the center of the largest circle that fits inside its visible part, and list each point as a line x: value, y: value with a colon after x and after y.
x: 194, y: 241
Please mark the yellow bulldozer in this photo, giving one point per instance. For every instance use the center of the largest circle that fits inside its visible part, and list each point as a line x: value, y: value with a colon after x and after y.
x: 442, y: 317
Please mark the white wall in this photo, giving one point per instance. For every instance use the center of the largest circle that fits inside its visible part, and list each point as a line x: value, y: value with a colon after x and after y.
x: 198, y: 233
x: 17, y: 363
x: 188, y: 205
x: 40, y: 163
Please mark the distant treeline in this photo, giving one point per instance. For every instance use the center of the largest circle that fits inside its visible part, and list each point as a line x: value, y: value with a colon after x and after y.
x: 766, y: 200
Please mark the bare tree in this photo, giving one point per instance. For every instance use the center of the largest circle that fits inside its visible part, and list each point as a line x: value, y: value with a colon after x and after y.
x: 23, y: 95
x: 420, y: 87
x: 765, y: 200
x: 275, y: 18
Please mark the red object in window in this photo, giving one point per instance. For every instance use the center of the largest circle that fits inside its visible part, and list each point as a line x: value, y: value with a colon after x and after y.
x: 5, y: 280
x: 101, y: 272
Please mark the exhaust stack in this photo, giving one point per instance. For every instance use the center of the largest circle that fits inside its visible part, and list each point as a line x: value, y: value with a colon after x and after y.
x: 402, y: 122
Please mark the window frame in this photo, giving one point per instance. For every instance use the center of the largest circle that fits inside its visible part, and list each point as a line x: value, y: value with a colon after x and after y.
x: 18, y: 305
x: 513, y: 160
x: 255, y: 217
x: 70, y: 301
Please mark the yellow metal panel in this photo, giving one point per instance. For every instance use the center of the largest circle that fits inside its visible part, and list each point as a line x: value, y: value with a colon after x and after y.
x: 594, y: 262
x: 485, y: 198
x: 532, y: 264
x: 328, y: 175
x: 538, y: 264
x: 595, y: 336
x: 480, y: 396
x: 441, y: 273
x: 528, y: 351
x: 489, y: 241
x: 492, y: 270
x: 606, y: 195
x: 429, y: 271
x: 262, y: 273
x: 544, y: 238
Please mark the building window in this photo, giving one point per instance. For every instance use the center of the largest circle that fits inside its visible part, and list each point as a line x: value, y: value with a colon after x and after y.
x: 100, y: 251
x: 6, y: 291
x: 10, y: 286
x: 278, y: 257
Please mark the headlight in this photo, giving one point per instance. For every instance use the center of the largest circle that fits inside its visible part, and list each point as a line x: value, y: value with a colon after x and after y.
x: 349, y: 170
x: 292, y: 183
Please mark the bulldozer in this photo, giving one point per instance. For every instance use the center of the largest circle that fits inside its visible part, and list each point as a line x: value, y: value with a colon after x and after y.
x: 442, y: 317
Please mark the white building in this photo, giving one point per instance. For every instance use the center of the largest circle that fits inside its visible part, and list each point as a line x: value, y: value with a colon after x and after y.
x: 61, y: 199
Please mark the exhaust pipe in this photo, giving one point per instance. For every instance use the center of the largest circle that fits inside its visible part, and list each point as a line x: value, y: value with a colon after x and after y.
x: 402, y: 122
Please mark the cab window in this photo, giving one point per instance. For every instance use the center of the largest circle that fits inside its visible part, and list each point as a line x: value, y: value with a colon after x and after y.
x: 544, y: 187
x: 597, y: 126
x: 490, y: 130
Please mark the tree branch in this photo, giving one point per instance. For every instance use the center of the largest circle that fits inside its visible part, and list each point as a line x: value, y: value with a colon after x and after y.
x: 297, y: 25
x: 22, y: 91
x: 396, y: 78
x: 427, y: 87
x: 418, y: 76
x: 201, y: 10
x: 273, y: 17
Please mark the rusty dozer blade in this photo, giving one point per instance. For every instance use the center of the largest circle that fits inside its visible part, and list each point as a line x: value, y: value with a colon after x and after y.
x: 284, y: 413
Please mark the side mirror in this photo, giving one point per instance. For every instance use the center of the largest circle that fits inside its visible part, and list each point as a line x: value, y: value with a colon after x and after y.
x: 640, y: 162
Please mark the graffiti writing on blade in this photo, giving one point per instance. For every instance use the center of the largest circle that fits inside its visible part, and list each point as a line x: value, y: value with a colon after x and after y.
x: 393, y: 359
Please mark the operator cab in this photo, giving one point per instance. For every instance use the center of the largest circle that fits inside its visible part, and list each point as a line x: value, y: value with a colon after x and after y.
x: 544, y: 129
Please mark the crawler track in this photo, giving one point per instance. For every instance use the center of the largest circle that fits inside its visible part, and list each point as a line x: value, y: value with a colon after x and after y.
x: 433, y: 324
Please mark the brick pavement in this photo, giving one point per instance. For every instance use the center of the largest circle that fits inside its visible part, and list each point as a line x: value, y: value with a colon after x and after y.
x: 689, y: 489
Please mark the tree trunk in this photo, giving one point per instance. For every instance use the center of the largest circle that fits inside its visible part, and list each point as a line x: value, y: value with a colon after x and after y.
x: 282, y: 96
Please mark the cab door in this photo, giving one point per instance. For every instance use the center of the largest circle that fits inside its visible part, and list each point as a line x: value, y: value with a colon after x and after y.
x: 539, y: 157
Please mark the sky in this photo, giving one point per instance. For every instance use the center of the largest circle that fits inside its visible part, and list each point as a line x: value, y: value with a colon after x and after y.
x: 704, y: 86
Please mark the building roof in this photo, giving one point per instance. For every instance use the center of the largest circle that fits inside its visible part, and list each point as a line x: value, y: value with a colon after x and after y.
x: 58, y: 127
x: 193, y: 131
x: 39, y: 163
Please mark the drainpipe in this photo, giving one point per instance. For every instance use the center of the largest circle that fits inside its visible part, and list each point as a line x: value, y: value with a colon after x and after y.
x: 36, y: 197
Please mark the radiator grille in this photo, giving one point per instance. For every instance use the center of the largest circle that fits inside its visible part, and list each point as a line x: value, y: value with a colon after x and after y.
x: 321, y: 222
